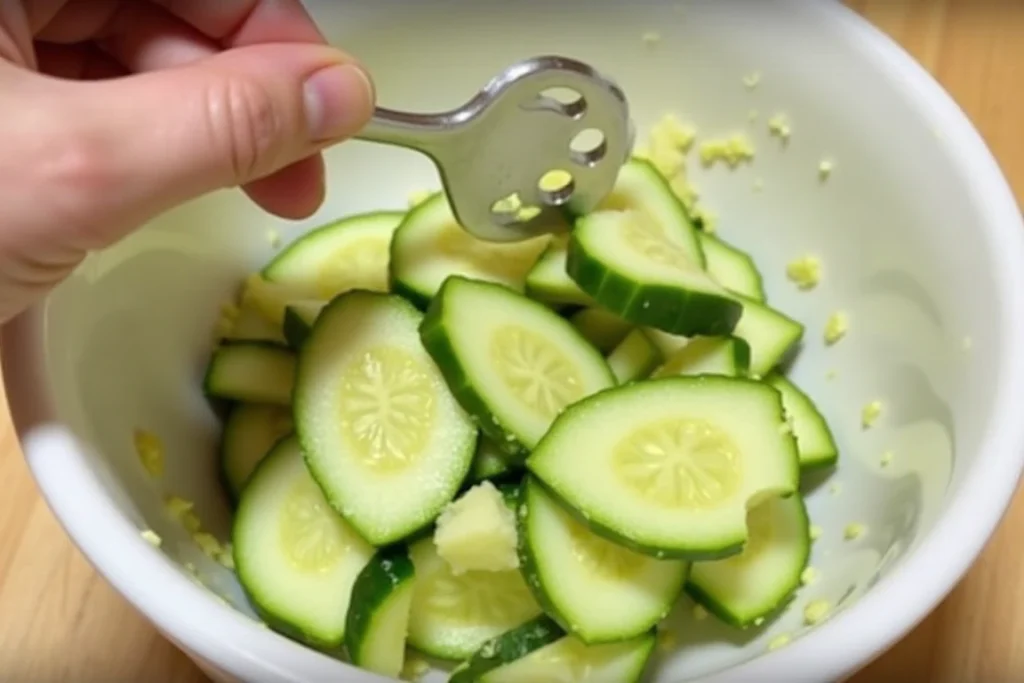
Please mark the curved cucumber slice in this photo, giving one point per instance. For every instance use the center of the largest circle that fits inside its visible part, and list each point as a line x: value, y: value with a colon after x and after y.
x: 512, y: 363
x: 732, y: 268
x: 295, y: 557
x: 599, y: 327
x: 252, y: 325
x: 507, y: 648
x: 382, y: 434
x: 751, y: 586
x: 728, y: 356
x: 250, y: 431
x: 637, y: 270
x: 668, y: 467
x: 252, y: 372
x: 430, y: 245
x: 378, y: 615
x: 598, y: 591
x: 640, y: 187
x: 548, y: 280
x: 634, y: 358
x: 351, y: 253
x: 539, y: 651
x: 453, y: 616
x: 298, y: 321
x: 489, y: 462
x: 769, y: 333
x: 814, y: 438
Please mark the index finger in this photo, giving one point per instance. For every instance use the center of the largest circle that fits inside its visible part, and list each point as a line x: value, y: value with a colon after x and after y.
x: 236, y: 23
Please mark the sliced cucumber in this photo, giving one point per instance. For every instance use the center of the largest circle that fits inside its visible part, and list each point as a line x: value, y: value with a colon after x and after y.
x: 634, y: 358
x: 640, y: 272
x: 539, y: 651
x: 814, y: 438
x: 512, y: 363
x: 769, y: 333
x: 728, y: 356
x: 296, y: 558
x: 250, y: 431
x: 252, y: 372
x: 351, y: 253
x: 377, y: 623
x: 270, y: 299
x: 668, y: 467
x: 298, y: 321
x: 640, y: 187
x: 430, y: 245
x: 489, y: 462
x: 597, y: 590
x: 507, y: 648
x: 453, y: 616
x: 548, y: 280
x: 382, y: 434
x: 599, y: 327
x: 251, y: 325
x: 732, y: 268
x: 751, y: 586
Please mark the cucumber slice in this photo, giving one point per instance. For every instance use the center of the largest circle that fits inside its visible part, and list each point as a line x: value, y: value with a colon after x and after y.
x: 769, y: 333
x: 489, y: 462
x: 548, y: 280
x: 668, y: 467
x: 753, y: 585
x: 728, y: 356
x: 251, y: 325
x: 453, y: 616
x: 732, y: 268
x: 814, y: 438
x: 538, y: 651
x: 511, y: 362
x: 430, y: 245
x: 378, y: 615
x: 640, y: 187
x: 599, y: 327
x: 351, y: 253
x: 250, y: 431
x: 598, y: 591
x: 270, y: 299
x: 640, y: 272
x: 634, y: 358
x: 252, y: 372
x: 382, y: 434
x: 507, y: 648
x: 298, y: 321
x: 296, y: 559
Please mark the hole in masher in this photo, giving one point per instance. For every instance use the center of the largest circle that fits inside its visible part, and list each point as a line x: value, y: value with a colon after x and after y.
x: 588, y: 147
x: 556, y: 186
x: 511, y: 209
x: 565, y: 101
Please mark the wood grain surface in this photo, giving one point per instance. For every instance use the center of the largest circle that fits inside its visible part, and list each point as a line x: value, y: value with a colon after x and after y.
x: 60, y: 623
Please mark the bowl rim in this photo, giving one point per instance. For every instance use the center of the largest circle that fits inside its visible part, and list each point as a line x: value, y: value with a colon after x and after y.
x: 216, y: 634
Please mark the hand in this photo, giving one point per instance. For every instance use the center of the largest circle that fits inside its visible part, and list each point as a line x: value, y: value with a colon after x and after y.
x: 114, y: 111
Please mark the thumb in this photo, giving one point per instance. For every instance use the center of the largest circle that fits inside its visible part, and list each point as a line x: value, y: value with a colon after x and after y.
x: 157, y: 139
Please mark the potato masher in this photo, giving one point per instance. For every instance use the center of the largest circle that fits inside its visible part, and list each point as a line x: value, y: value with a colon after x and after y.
x: 548, y: 118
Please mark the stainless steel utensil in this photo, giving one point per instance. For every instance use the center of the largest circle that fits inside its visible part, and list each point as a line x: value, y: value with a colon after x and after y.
x: 545, y: 114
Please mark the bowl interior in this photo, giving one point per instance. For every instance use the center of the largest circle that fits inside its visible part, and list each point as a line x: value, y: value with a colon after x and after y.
x: 892, y: 226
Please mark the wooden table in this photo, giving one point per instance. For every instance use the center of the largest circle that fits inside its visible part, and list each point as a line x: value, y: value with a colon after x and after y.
x: 59, y: 622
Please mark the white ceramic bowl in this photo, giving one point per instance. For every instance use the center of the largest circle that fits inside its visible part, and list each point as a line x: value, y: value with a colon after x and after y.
x: 922, y: 244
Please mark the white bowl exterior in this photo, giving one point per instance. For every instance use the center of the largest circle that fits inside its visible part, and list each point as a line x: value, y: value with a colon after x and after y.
x: 922, y: 244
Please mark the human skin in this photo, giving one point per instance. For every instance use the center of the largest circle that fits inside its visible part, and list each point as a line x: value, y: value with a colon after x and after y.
x: 114, y: 111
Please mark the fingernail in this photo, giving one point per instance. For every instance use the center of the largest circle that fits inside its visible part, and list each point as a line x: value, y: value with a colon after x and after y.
x: 339, y: 101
